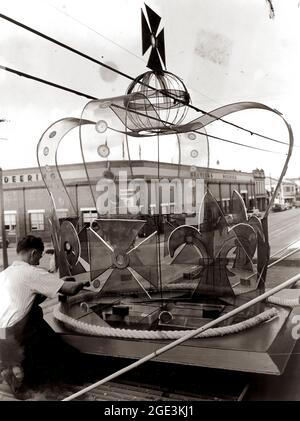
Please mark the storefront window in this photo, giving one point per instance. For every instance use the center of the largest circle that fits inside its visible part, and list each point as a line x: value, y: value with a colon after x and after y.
x: 10, y: 221
x: 226, y: 206
x: 37, y: 221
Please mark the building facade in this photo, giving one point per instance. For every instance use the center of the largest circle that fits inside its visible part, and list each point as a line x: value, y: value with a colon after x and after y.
x: 287, y: 193
x: 27, y: 203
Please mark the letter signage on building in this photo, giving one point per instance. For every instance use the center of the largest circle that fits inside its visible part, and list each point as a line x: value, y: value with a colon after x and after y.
x: 21, y: 178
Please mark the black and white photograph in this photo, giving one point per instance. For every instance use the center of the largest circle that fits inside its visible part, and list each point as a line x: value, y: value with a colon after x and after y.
x: 149, y: 203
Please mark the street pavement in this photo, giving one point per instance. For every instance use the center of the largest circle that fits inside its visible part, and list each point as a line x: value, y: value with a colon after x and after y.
x: 284, y: 232
x: 284, y: 228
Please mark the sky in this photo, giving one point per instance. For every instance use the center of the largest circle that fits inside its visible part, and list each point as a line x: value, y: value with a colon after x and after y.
x: 225, y: 51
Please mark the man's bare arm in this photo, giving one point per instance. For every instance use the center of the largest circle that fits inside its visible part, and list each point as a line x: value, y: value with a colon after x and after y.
x: 72, y: 287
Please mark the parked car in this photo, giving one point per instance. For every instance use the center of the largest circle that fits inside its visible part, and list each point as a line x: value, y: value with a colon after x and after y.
x: 7, y: 242
x: 278, y: 207
x: 254, y: 211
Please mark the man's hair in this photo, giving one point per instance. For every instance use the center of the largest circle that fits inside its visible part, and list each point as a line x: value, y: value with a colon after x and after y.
x: 30, y: 242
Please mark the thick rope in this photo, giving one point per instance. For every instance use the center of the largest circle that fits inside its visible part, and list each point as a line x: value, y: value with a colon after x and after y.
x: 94, y: 330
x: 284, y: 302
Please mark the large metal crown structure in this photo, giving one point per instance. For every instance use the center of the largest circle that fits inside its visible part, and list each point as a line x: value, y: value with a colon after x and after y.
x: 221, y: 261
x: 147, y: 111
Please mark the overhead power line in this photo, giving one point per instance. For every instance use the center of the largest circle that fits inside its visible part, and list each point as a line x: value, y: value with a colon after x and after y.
x: 100, y: 63
x: 240, y: 144
x: 121, y: 46
x: 61, y: 44
x: 47, y: 82
x: 96, y: 32
x: 73, y: 91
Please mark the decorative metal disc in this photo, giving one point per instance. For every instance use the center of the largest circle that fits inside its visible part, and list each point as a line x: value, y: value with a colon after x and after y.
x: 70, y: 244
x: 120, y: 259
x: 46, y: 150
x: 194, y: 153
x: 103, y: 150
x: 96, y: 283
x: 101, y: 126
x: 192, y: 136
x: 52, y: 134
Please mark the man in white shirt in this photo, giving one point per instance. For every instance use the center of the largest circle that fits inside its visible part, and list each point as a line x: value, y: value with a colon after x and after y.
x: 23, y: 332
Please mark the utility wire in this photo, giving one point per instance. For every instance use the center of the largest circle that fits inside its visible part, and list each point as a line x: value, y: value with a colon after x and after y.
x: 47, y: 82
x: 122, y: 47
x: 40, y: 34
x: 237, y: 143
x: 96, y: 32
x: 61, y: 44
x: 133, y: 54
x: 73, y: 91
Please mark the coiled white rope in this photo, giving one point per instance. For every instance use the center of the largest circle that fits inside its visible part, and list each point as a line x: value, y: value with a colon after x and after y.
x: 94, y: 330
x: 284, y: 302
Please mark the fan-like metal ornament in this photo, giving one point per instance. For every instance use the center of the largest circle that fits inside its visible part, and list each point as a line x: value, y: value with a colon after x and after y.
x: 113, y: 252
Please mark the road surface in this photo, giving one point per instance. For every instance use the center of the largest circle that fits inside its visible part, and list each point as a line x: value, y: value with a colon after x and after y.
x: 284, y: 228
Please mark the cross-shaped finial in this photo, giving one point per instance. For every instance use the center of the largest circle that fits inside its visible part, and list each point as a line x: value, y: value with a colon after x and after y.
x: 151, y: 39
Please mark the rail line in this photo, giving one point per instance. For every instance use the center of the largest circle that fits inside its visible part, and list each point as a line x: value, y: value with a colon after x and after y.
x: 133, y: 391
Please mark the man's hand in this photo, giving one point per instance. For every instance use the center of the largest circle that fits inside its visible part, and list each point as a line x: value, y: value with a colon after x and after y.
x: 72, y: 287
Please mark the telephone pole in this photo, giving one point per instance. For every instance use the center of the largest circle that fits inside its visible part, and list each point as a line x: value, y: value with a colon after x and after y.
x: 3, y: 232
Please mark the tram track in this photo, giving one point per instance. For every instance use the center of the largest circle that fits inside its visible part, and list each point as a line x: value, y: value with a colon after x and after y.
x: 128, y: 391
